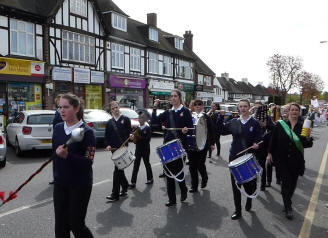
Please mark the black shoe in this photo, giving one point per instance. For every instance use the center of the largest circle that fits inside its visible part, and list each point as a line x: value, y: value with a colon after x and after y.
x: 132, y: 186
x: 278, y: 182
x: 193, y: 190
x: 248, y: 206
x: 204, y: 184
x: 123, y: 194
x: 183, y: 197
x: 170, y: 204
x: 236, y: 216
x: 112, y: 199
x: 268, y: 184
x: 151, y: 181
x: 51, y: 182
x: 289, y: 214
x: 262, y: 187
x: 161, y: 175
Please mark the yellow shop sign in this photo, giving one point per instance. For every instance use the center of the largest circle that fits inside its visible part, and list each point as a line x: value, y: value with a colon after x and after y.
x: 21, y: 67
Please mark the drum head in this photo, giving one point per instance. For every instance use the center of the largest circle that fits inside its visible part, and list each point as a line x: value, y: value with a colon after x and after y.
x: 240, y: 160
x: 201, y: 133
x: 118, y: 153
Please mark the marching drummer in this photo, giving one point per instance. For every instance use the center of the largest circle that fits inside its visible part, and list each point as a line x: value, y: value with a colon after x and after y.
x: 246, y: 132
x: 178, y: 117
x: 197, y: 157
x: 118, y: 130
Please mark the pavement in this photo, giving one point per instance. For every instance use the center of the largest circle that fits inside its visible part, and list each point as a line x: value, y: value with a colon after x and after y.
x: 143, y: 213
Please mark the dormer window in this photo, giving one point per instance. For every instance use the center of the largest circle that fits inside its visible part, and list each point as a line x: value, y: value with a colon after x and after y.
x: 178, y: 43
x: 153, y: 34
x: 79, y: 7
x: 119, y: 22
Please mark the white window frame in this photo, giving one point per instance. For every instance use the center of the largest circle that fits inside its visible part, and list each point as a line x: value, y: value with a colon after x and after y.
x: 167, y: 66
x: 117, y: 55
x: 153, y: 63
x: 119, y: 22
x: 135, y: 59
x: 200, y: 79
x: 153, y: 34
x: 208, y: 80
x: 77, y: 47
x: 184, y: 69
x: 17, y: 33
x: 79, y: 7
x: 178, y: 43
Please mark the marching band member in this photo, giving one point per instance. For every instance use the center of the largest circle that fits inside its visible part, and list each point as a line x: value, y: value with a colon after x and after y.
x: 178, y: 117
x: 142, y: 137
x: 72, y: 166
x: 246, y: 132
x: 118, y: 129
x: 214, y: 117
x: 286, y: 150
x: 197, y: 158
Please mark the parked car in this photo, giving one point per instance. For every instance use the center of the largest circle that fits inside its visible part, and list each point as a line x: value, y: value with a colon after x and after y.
x: 154, y: 127
x: 97, y: 120
x: 230, y: 111
x: 30, y: 130
x: 128, y: 112
x: 3, y: 150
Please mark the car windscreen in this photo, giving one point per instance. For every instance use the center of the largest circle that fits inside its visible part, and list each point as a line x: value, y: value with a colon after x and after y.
x: 96, y: 116
x: 158, y: 111
x: 129, y: 113
x: 40, y: 119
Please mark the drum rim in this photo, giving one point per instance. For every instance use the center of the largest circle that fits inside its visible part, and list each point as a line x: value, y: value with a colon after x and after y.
x: 204, y: 137
x: 169, y: 142
x: 240, y: 162
x: 124, y: 149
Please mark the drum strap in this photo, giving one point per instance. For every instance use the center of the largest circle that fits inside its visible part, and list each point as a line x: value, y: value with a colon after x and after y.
x: 172, y: 122
x: 116, y: 131
x: 169, y: 174
x: 258, y: 185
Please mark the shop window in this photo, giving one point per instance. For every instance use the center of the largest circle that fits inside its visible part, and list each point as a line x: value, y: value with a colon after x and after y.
x: 22, y: 38
x: 79, y: 7
x: 78, y: 47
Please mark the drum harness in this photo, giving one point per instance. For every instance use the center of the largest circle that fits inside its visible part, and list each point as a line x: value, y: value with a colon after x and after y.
x: 258, y: 174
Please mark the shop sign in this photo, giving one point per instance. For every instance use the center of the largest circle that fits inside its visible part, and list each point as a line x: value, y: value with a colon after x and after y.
x: 93, y: 96
x: 198, y: 87
x: 124, y: 82
x: 186, y: 87
x: 81, y: 75
x: 61, y: 74
x: 162, y: 85
x: 21, y: 67
x: 97, y: 77
x: 204, y: 95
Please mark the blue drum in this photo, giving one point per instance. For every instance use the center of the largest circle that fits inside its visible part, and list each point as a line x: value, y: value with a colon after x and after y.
x: 170, y: 151
x: 245, y: 168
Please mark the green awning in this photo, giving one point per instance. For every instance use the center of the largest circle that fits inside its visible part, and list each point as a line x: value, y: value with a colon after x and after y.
x: 160, y: 93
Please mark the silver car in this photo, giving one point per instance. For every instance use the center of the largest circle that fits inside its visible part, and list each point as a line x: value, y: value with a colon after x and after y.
x: 3, y: 150
x: 97, y: 120
x: 31, y: 130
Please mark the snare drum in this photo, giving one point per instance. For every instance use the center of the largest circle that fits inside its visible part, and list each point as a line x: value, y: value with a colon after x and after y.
x: 245, y: 168
x: 170, y: 151
x: 122, y: 158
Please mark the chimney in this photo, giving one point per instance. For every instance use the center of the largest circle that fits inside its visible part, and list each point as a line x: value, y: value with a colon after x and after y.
x: 188, y: 39
x: 245, y: 80
x: 225, y: 75
x: 152, y: 19
x: 260, y: 83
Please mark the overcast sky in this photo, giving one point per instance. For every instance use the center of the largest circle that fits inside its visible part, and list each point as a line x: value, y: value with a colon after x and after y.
x: 239, y: 36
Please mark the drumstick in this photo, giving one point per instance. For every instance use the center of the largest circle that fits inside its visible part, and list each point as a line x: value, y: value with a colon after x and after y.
x: 243, y: 151
x: 176, y: 129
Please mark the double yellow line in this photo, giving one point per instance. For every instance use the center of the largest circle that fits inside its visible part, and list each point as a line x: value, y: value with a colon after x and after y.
x: 309, y: 216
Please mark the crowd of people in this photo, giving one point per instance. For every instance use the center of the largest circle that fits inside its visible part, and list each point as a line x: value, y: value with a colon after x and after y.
x: 258, y: 130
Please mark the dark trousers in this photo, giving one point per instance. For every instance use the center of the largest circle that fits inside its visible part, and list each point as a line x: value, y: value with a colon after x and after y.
x: 269, y: 173
x: 71, y: 206
x: 119, y: 179
x: 175, y: 167
x: 288, y: 185
x: 197, y: 161
x: 218, y: 148
x: 262, y: 162
x: 145, y: 158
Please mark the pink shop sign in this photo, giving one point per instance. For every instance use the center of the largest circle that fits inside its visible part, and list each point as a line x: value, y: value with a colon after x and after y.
x: 126, y: 82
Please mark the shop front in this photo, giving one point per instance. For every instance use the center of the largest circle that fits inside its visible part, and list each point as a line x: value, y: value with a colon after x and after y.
x: 187, y: 90
x: 94, y: 91
x: 206, y: 97
x: 128, y: 91
x: 159, y: 89
x: 62, y: 78
x: 20, y: 86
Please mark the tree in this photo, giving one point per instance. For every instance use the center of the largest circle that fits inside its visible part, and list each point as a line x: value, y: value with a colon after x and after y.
x: 285, y: 71
x: 309, y: 85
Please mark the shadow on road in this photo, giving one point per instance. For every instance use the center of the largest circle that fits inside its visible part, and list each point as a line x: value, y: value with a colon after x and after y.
x: 182, y: 222
x: 141, y: 198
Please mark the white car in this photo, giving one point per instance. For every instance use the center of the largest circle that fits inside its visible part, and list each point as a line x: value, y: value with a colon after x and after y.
x: 31, y: 130
x: 3, y: 150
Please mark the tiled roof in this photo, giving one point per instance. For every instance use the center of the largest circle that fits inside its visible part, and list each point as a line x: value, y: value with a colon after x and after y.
x: 108, y: 5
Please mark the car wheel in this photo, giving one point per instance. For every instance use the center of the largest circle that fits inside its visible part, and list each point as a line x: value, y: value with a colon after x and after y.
x: 18, y: 151
x: 3, y: 163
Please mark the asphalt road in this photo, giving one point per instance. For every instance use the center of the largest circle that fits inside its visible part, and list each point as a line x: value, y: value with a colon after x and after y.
x: 143, y: 213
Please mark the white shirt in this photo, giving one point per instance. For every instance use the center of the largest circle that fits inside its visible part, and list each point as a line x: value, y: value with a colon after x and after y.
x: 243, y: 120
x: 68, y: 130
x: 117, y: 118
x: 177, y: 109
x: 143, y: 127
